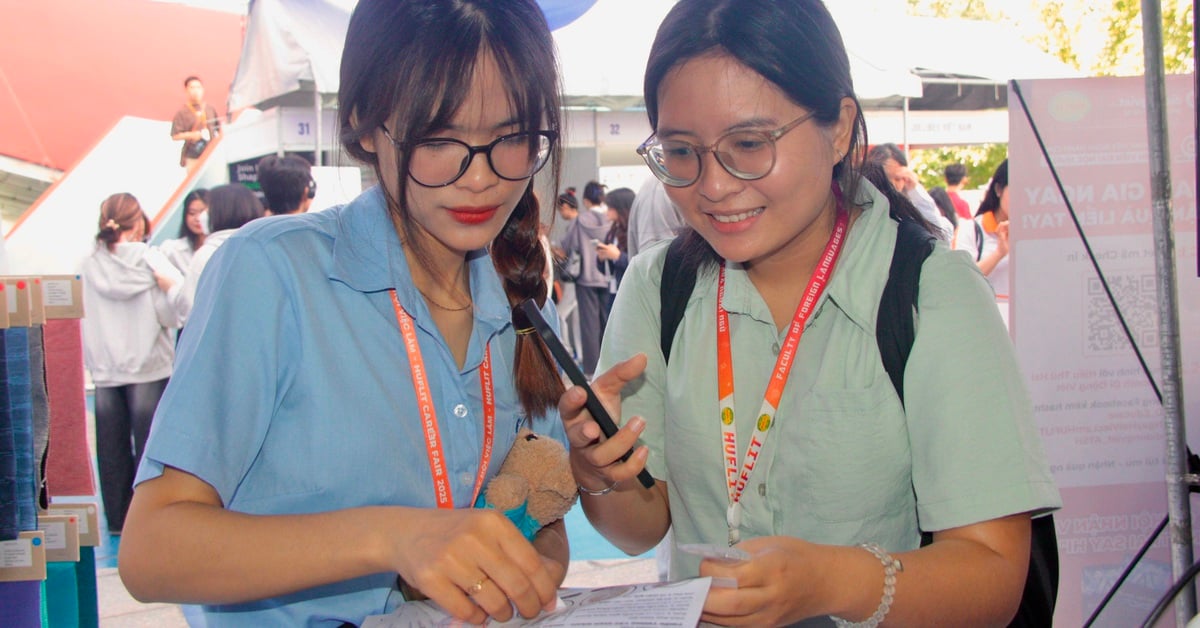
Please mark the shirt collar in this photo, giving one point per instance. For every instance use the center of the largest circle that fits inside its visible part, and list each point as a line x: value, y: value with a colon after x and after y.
x: 862, y: 267
x: 368, y: 257
x: 857, y: 280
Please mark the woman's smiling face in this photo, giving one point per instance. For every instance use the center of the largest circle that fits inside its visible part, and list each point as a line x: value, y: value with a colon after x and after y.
x: 749, y: 221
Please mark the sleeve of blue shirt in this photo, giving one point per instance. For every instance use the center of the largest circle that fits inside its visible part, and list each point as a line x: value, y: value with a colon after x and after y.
x: 232, y: 366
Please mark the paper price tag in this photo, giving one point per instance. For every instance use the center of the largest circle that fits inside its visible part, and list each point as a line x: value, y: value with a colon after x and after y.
x: 23, y: 558
x: 62, y: 537
x: 88, y: 521
x: 62, y: 296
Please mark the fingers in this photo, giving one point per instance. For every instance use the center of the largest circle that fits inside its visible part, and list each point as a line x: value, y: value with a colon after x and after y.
x: 483, y: 567
x: 614, y: 379
x: 607, y: 388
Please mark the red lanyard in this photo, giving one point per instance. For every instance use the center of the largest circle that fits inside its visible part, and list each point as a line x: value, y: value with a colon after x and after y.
x: 433, y: 434
x: 783, y: 365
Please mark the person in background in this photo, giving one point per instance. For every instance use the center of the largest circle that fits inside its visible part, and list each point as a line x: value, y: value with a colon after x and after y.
x: 567, y: 206
x: 128, y: 346
x: 956, y: 177
x: 941, y: 199
x: 566, y: 270
x: 196, y: 123
x: 815, y: 468
x: 229, y: 207
x: 895, y: 164
x: 593, y: 196
x: 287, y: 184
x: 352, y: 378
x: 612, y: 251
x: 592, y: 283
x: 991, y: 253
x: 652, y: 217
x: 191, y: 231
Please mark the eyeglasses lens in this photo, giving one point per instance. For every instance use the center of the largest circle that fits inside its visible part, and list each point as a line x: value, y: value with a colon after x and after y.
x: 512, y: 157
x: 746, y: 155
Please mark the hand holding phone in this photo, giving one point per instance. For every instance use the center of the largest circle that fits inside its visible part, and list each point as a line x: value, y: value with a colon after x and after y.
x: 528, y: 310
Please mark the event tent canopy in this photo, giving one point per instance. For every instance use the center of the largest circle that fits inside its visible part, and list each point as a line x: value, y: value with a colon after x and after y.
x: 293, y: 48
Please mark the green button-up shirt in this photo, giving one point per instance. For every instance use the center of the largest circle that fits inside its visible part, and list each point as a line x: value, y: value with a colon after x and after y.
x: 844, y: 462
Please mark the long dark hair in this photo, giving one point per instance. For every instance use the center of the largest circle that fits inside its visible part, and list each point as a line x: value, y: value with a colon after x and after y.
x: 415, y: 60
x: 991, y: 198
x: 232, y: 205
x: 194, y: 239
x: 899, y: 207
x: 620, y: 200
x: 794, y: 44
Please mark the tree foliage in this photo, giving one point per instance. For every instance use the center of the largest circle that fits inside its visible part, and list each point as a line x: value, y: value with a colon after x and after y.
x: 1067, y: 29
x: 981, y: 161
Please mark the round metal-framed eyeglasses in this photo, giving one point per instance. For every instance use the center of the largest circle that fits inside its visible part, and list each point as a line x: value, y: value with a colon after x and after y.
x: 745, y: 154
x: 436, y: 162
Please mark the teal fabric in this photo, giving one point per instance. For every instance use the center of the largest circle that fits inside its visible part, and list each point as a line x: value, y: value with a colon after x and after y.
x: 520, y: 518
x: 85, y: 582
x: 843, y: 463
x: 62, y: 596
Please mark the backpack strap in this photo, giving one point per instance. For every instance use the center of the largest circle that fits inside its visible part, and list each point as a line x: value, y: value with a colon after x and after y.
x: 894, y: 329
x: 978, y: 240
x: 678, y: 280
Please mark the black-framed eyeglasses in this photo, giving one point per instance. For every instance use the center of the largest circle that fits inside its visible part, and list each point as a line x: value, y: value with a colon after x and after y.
x: 436, y: 162
x: 745, y: 154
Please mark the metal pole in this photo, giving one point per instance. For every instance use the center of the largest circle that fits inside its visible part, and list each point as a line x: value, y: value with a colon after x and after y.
x: 904, y: 131
x: 1178, y: 507
x: 317, y: 107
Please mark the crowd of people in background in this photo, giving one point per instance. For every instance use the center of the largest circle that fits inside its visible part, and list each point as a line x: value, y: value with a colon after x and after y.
x: 139, y: 297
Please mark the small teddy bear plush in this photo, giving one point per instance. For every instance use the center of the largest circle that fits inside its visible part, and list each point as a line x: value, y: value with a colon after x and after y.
x: 534, y: 486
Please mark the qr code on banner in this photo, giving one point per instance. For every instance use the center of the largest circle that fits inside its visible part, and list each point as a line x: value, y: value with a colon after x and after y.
x: 1135, y: 295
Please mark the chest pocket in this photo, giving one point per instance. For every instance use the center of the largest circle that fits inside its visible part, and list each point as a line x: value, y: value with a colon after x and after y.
x: 849, y: 447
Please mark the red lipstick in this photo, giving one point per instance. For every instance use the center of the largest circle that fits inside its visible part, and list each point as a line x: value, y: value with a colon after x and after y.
x: 473, y: 215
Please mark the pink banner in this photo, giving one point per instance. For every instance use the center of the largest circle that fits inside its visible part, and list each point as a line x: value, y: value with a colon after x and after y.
x: 1100, y: 420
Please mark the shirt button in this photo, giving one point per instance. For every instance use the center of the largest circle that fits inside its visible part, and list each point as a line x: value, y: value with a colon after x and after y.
x: 775, y: 349
x: 466, y: 478
x: 762, y: 490
x: 460, y: 411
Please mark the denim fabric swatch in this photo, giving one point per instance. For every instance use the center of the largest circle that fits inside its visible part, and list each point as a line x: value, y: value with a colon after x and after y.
x: 10, y: 519
x: 16, y: 363
x: 41, y: 410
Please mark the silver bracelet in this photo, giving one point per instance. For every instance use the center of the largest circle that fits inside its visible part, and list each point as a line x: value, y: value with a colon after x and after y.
x: 604, y: 491
x: 891, y: 566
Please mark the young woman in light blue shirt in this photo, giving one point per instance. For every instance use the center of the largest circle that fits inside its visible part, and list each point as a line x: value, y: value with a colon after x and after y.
x: 350, y: 379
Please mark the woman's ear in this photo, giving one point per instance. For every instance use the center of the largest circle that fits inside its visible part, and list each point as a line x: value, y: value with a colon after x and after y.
x: 367, y: 141
x: 843, y: 129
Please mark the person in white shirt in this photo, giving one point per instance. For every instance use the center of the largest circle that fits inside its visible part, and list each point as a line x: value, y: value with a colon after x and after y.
x: 128, y: 346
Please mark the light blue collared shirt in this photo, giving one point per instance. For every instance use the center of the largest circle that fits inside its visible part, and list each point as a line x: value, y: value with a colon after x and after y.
x: 293, y: 394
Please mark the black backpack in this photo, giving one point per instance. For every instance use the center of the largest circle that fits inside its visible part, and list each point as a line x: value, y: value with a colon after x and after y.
x: 894, y: 333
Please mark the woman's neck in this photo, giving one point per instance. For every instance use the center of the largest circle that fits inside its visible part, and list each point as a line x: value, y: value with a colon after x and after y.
x: 439, y: 273
x: 782, y: 276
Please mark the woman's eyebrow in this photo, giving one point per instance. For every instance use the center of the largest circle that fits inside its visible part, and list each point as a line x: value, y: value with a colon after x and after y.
x: 513, y: 121
x: 755, y: 123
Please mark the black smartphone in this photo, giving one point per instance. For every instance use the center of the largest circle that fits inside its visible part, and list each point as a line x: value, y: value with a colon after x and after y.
x: 529, y: 310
